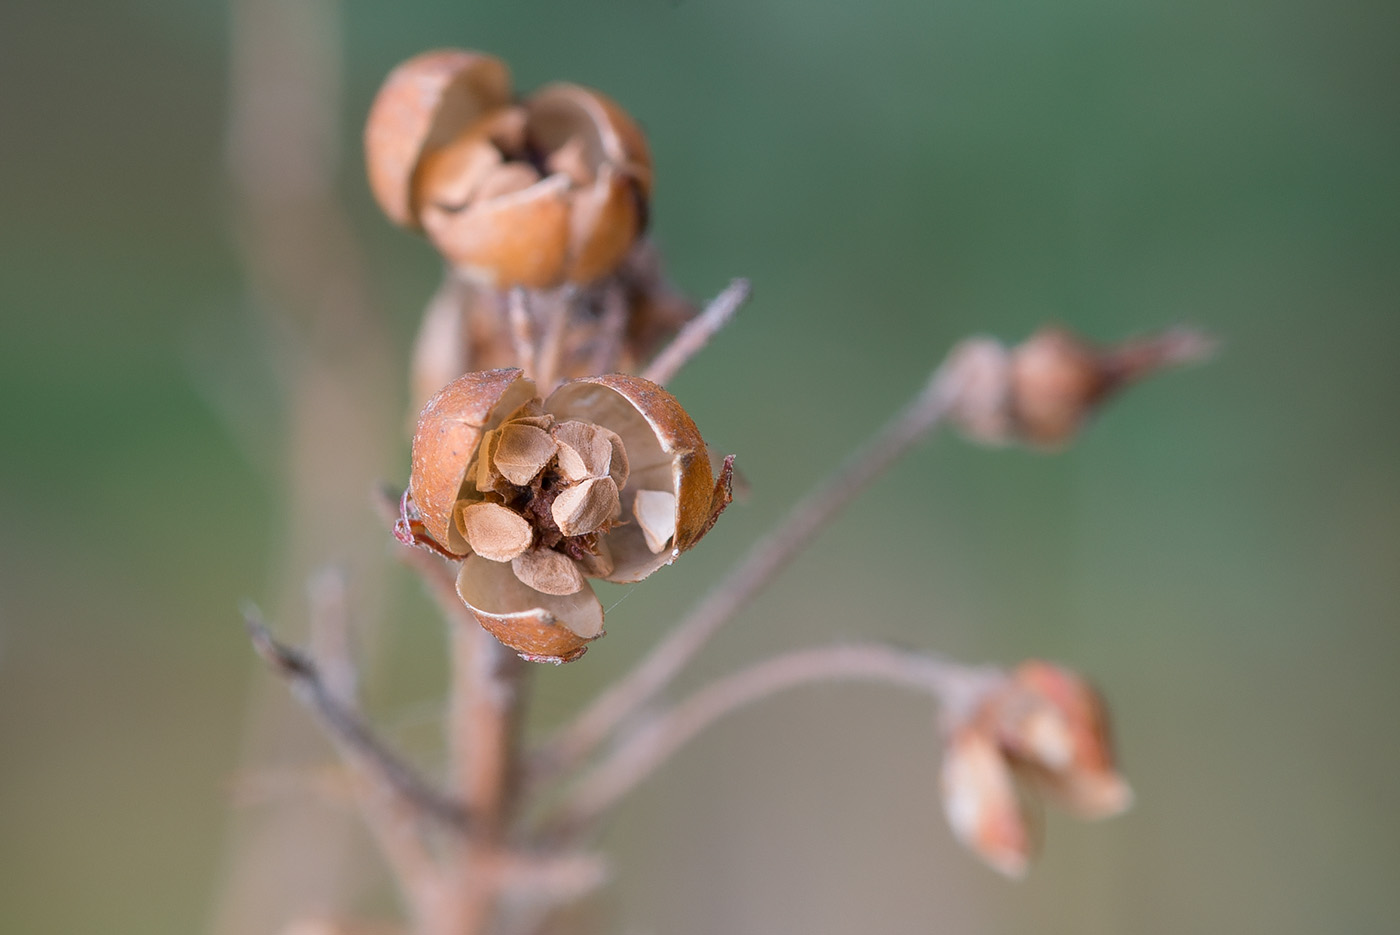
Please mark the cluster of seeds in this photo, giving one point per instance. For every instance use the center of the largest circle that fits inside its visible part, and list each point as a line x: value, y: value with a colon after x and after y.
x: 541, y: 494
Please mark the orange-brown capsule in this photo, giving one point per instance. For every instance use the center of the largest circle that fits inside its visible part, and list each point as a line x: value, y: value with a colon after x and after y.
x: 537, y: 194
x: 607, y: 478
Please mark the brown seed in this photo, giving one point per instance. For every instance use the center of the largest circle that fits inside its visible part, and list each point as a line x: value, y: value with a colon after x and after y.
x: 587, y: 450
x: 584, y: 507
x: 548, y: 571
x: 522, y: 452
x: 492, y: 530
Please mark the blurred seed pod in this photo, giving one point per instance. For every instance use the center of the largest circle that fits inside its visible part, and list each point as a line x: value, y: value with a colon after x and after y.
x: 550, y: 191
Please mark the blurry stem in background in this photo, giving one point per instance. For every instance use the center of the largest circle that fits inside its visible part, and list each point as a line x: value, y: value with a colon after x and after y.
x: 399, y: 807
x: 656, y: 737
x: 343, y: 723
x: 305, y: 275
x: 577, y: 740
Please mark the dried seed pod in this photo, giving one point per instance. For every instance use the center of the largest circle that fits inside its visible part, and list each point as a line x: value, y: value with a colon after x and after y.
x: 449, y: 431
x: 450, y: 154
x: 604, y: 153
x: 1042, y: 391
x: 422, y: 104
x: 665, y: 453
x: 531, y: 492
x: 1041, y: 729
x: 542, y: 627
x: 1056, y: 381
x: 1055, y: 725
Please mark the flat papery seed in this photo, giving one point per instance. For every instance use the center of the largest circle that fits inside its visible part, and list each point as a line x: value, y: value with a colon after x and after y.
x: 532, y: 413
x: 486, y: 473
x: 656, y: 514
x: 572, y: 160
x: 585, y: 450
x: 506, y: 178
x: 493, y: 531
x: 450, y: 176
x: 618, y: 468
x: 584, y: 507
x: 522, y: 452
x: 548, y: 571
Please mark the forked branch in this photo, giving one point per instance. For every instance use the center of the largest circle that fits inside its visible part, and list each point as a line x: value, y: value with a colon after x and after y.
x: 346, y: 727
x: 646, y: 747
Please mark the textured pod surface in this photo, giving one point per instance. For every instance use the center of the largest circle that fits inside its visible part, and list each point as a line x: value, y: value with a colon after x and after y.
x: 665, y: 453
x: 541, y: 627
x: 449, y: 430
x: 422, y: 103
x: 516, y: 239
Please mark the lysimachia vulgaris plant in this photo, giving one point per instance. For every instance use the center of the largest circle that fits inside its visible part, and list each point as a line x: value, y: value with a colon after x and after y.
x: 547, y: 454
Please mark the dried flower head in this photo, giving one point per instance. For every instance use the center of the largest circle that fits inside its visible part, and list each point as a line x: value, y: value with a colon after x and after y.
x: 1040, y: 392
x: 550, y: 190
x: 607, y: 478
x: 1045, y: 729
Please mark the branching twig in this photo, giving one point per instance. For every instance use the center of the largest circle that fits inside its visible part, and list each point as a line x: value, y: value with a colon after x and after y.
x: 638, y: 754
x: 697, y: 333
x: 765, y: 559
x: 346, y: 727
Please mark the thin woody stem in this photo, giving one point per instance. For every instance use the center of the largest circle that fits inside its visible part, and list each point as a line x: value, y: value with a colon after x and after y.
x: 577, y: 740
x: 613, y: 327
x: 396, y: 822
x: 551, y: 349
x: 522, y: 329
x: 697, y: 332
x: 639, y: 753
x: 344, y: 724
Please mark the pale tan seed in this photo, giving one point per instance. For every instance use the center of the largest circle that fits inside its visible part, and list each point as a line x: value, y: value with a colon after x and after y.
x: 505, y: 179
x: 584, y: 450
x: 584, y: 507
x: 656, y: 514
x: 522, y: 452
x: 548, y: 571
x: 492, y: 530
x: 572, y: 160
x: 487, y: 477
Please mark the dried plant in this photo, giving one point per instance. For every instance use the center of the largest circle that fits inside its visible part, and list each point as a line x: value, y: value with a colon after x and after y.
x: 546, y: 452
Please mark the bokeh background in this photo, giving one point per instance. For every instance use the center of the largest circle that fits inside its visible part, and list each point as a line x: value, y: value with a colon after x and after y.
x: 1220, y: 551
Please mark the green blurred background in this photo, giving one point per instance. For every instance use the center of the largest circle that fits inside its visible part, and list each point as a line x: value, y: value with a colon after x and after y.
x: 1220, y: 551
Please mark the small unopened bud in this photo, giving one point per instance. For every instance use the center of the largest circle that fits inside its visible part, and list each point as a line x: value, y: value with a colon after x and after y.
x: 981, y: 801
x: 1041, y: 392
x: 1042, y: 729
x: 1055, y: 724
